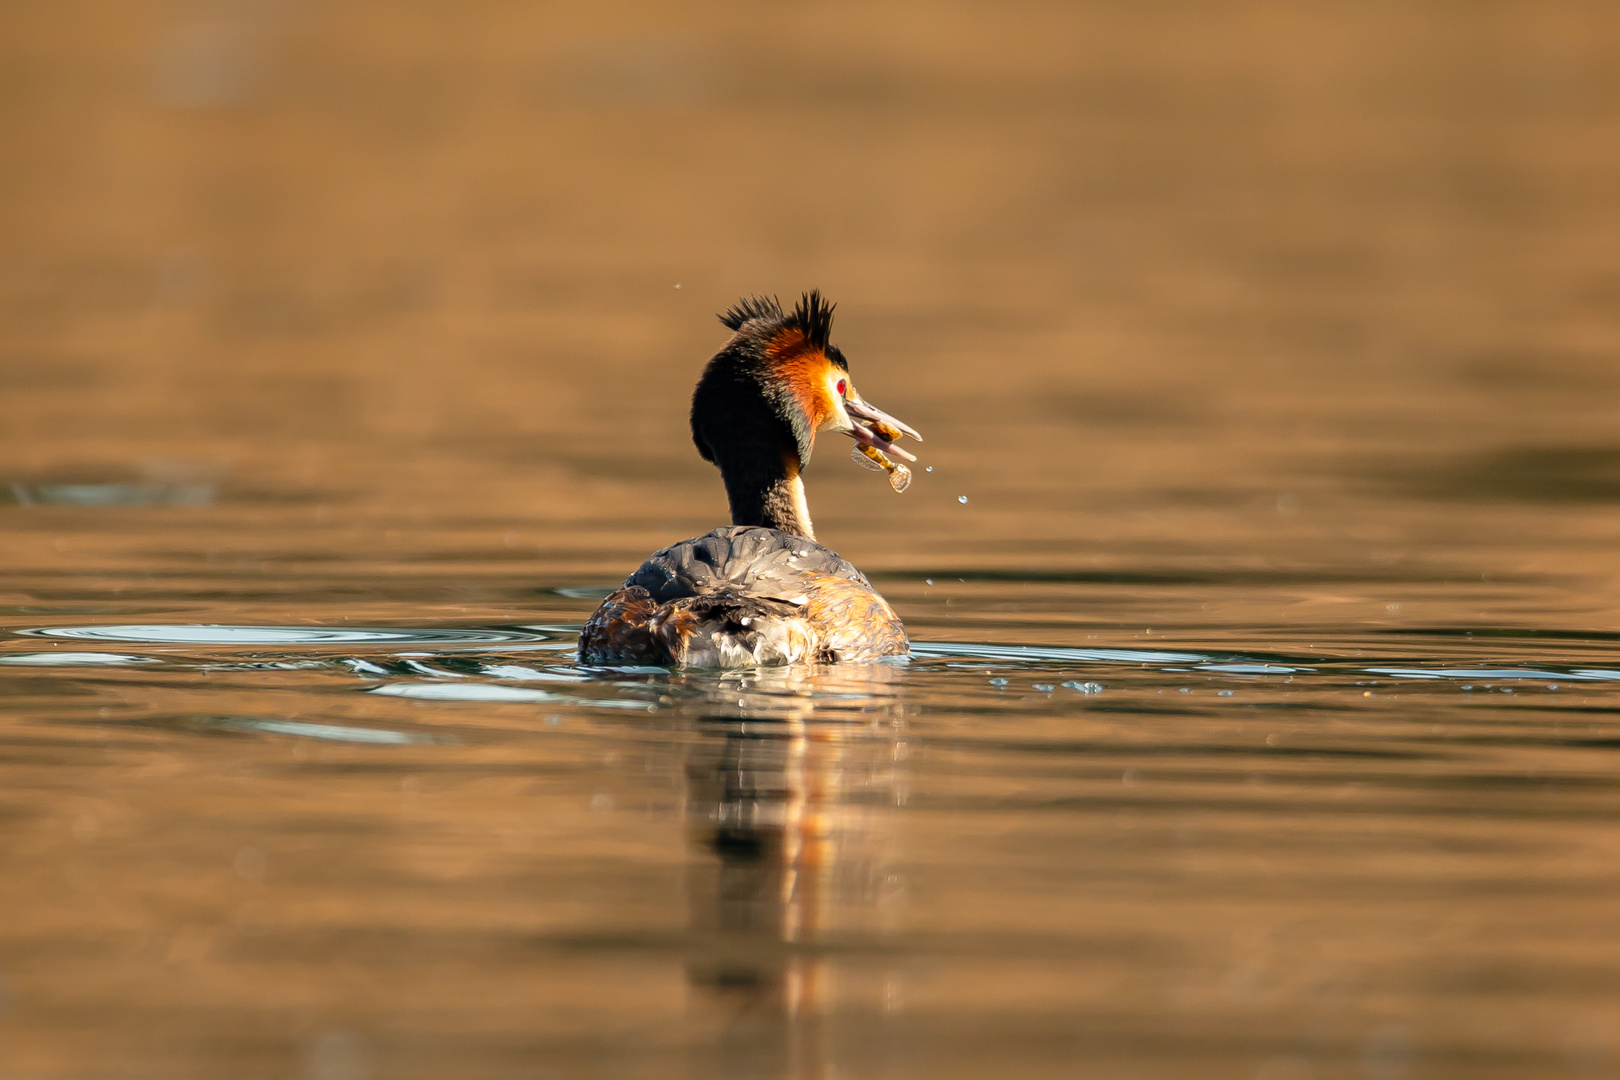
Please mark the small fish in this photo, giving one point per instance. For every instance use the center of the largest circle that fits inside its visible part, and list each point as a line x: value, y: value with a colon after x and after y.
x: 869, y: 458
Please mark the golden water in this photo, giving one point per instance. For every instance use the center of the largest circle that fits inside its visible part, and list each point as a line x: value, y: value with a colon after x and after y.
x: 1263, y: 716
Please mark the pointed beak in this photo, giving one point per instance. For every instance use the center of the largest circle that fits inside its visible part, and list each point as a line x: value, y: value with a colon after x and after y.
x: 875, y: 428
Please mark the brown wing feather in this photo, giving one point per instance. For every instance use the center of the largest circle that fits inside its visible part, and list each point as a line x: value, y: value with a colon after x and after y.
x: 620, y: 632
x: 851, y: 620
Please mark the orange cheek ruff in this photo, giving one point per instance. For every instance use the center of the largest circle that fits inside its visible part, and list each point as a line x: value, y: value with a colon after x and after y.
x: 806, y: 369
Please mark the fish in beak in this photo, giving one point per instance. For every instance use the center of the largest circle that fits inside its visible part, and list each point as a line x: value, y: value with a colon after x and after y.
x: 873, y: 427
x: 876, y: 433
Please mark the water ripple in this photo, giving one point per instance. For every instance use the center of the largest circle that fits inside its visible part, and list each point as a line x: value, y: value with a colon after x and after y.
x: 932, y: 649
x: 51, y: 659
x: 490, y: 692
x: 209, y: 634
x: 329, y: 732
x: 1578, y: 675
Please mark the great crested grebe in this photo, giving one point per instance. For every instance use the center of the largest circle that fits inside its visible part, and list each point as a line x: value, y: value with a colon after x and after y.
x: 762, y: 591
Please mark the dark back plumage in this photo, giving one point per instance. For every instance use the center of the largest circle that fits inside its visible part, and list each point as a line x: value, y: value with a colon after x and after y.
x: 762, y: 562
x: 740, y: 596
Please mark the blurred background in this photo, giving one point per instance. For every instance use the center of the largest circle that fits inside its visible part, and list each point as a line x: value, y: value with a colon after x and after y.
x: 1185, y: 275
x: 1257, y: 326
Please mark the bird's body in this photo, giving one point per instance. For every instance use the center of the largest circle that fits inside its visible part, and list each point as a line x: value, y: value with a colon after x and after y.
x: 739, y: 597
x: 762, y: 591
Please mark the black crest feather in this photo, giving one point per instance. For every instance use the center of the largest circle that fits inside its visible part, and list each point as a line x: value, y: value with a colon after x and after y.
x: 752, y: 307
x: 814, y: 317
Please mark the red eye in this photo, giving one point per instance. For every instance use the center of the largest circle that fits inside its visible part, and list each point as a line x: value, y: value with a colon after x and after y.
x: 840, y: 387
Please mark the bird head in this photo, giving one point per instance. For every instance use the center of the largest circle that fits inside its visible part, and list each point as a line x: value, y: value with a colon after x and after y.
x: 781, y: 379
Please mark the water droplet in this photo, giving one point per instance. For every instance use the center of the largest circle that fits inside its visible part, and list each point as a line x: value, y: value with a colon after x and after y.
x: 928, y: 581
x: 1223, y: 693
x: 1045, y: 687
x: 961, y: 498
x: 928, y: 468
x: 998, y: 682
x: 1087, y: 687
x: 1184, y: 690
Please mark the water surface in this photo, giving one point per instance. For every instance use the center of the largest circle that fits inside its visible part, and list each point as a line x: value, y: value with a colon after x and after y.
x: 1262, y: 715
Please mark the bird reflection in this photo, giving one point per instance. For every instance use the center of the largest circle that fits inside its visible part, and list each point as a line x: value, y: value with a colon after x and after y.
x: 790, y: 796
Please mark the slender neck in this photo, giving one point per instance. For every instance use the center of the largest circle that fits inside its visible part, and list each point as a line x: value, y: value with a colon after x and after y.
x: 768, y: 494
